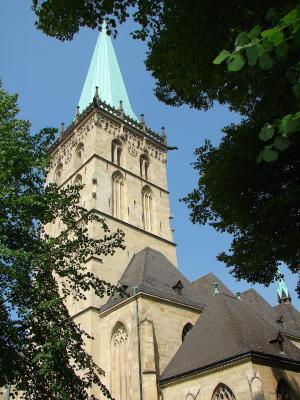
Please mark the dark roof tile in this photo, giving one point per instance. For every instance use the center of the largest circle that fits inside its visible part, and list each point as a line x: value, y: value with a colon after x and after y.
x: 149, y: 271
x: 227, y: 328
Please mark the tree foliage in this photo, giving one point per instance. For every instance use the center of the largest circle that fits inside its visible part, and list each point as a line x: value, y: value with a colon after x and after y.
x: 259, y: 79
x: 42, y: 350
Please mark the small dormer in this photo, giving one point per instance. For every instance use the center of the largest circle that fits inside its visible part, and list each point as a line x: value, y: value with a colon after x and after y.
x: 178, y: 287
x: 278, y: 341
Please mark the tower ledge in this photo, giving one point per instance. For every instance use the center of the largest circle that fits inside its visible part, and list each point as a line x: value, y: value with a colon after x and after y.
x: 116, y: 115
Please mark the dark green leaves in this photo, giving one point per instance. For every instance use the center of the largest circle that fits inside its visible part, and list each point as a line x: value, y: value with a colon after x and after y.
x: 43, y: 348
x: 242, y: 39
x: 265, y: 61
x: 236, y: 62
x: 253, y: 53
x: 269, y: 154
x: 266, y: 132
x: 281, y: 143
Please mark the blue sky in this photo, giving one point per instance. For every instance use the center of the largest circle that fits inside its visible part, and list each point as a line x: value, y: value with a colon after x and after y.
x: 49, y: 75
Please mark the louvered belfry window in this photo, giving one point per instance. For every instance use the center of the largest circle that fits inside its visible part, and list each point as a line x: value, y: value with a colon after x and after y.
x: 223, y: 392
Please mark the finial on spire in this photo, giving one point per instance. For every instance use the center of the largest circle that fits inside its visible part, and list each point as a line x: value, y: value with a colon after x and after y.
x: 62, y: 128
x: 282, y: 290
x: 77, y: 114
x: 216, y: 287
x: 121, y: 109
x: 164, y: 135
x: 96, y: 97
x: 143, y: 123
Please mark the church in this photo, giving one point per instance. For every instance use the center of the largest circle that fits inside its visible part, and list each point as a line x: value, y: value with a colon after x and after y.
x: 169, y: 338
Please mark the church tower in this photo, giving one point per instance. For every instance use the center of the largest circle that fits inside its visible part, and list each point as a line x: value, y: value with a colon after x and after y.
x: 122, y: 164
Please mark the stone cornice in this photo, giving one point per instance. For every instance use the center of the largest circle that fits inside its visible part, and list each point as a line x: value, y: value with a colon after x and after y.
x: 265, y: 359
x: 116, y: 116
x: 121, y: 222
x: 149, y: 296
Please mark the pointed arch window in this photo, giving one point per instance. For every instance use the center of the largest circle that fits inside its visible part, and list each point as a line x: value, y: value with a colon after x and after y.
x: 58, y: 173
x: 116, y: 152
x: 147, y: 200
x: 79, y: 154
x: 119, y: 380
x: 283, y: 391
x: 117, y: 195
x: 187, y: 327
x: 144, y: 166
x: 223, y: 392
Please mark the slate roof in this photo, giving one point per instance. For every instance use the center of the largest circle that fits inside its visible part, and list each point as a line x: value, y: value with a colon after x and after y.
x: 149, y: 271
x: 290, y: 317
x: 226, y: 329
x: 204, y: 285
x: 260, y: 306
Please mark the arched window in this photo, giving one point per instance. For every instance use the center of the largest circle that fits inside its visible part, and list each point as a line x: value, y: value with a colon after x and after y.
x: 116, y: 152
x: 147, y: 200
x: 117, y: 195
x: 58, y: 173
x: 283, y: 391
x: 223, y: 392
x: 119, y: 380
x: 144, y: 166
x: 79, y: 154
x: 187, y: 327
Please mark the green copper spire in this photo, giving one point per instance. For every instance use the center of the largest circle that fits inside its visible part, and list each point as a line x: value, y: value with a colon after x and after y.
x: 282, y: 291
x: 105, y: 73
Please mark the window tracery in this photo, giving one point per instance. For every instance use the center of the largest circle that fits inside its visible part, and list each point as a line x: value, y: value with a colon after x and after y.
x: 147, y: 200
x: 117, y: 195
x: 119, y: 363
x: 223, y: 392
x: 58, y: 173
x: 144, y: 166
x: 116, y: 152
x: 79, y: 154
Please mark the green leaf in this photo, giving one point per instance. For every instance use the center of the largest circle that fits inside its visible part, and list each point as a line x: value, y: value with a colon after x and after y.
x: 274, y: 36
x: 269, y: 154
x: 242, y: 39
x: 221, y: 57
x: 267, y: 132
x: 281, y: 143
x: 296, y: 26
x: 267, y: 45
x: 255, y: 32
x: 290, y: 17
x: 296, y: 90
x: 266, y: 61
x: 236, y: 62
x: 253, y: 53
x: 282, y: 49
x: 289, y: 124
x: 291, y: 75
